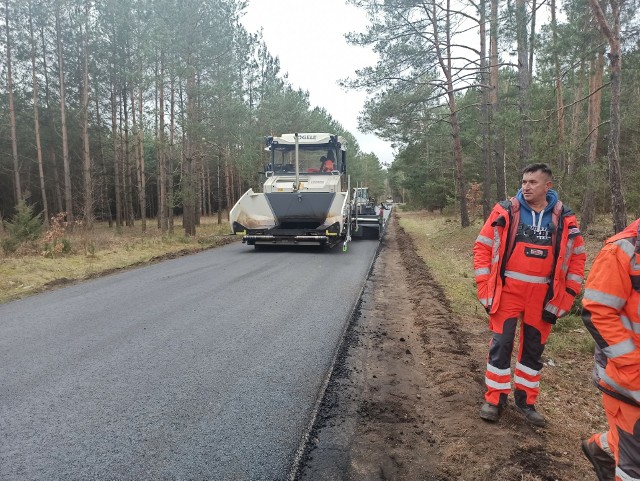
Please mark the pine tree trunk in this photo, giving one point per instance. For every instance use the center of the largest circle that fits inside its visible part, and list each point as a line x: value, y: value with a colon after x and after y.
x: 127, y: 171
x: 58, y: 183
x: 172, y: 131
x: 138, y: 136
x: 197, y: 151
x: 57, y: 198
x: 105, y: 206
x: 86, y: 154
x: 593, y: 120
x: 36, y: 121
x: 576, y: 120
x: 143, y: 175
x: 497, y: 147
x: 532, y: 38
x: 189, y: 184
x: 559, y: 94
x: 17, y: 186
x: 486, y: 115
x: 116, y: 162
x: 615, y: 175
x: 162, y: 162
x: 218, y: 193
x: 595, y: 104
x: 445, y: 65
x: 612, y: 33
x: 63, y: 118
x: 523, y: 84
x: 227, y: 175
x: 207, y: 189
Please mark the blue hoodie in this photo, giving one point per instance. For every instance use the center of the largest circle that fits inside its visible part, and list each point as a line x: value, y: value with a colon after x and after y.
x: 534, y: 224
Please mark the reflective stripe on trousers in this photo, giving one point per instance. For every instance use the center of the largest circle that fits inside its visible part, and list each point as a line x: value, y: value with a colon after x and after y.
x: 519, y: 300
x: 623, y: 438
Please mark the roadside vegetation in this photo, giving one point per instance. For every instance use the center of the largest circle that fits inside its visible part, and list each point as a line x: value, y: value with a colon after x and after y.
x: 447, y: 250
x: 34, y: 258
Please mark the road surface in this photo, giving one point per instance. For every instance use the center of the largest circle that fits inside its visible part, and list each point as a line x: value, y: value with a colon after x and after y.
x: 205, y: 367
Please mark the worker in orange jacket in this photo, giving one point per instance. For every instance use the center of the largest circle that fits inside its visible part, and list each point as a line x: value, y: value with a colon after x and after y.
x: 611, y: 313
x: 529, y: 265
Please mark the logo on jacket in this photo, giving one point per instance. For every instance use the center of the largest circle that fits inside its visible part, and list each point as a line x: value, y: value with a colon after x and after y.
x: 535, y: 252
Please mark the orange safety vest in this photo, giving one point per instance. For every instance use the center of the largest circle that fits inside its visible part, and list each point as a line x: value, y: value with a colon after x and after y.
x: 496, y: 241
x: 612, y: 315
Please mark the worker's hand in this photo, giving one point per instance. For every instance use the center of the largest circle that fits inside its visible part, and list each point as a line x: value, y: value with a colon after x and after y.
x: 549, y: 317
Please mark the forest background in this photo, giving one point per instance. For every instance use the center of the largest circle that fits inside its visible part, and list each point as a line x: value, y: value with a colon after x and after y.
x: 129, y: 110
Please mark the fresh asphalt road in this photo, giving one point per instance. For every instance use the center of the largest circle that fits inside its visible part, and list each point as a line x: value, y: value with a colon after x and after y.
x: 205, y: 367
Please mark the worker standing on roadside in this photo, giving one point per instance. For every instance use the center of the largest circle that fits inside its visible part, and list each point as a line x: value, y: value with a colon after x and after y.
x: 611, y: 313
x: 529, y: 264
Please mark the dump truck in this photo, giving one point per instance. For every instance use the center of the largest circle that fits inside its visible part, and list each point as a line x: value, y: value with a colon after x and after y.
x: 305, y: 196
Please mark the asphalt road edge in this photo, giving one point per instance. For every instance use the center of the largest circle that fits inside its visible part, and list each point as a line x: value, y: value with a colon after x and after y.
x: 353, y: 315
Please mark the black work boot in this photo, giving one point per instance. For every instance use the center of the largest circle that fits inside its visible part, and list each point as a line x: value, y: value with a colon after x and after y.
x: 603, y: 463
x: 490, y: 412
x: 531, y: 415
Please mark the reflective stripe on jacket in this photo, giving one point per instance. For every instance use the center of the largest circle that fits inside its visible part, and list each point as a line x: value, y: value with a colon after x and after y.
x: 612, y: 315
x: 495, y: 242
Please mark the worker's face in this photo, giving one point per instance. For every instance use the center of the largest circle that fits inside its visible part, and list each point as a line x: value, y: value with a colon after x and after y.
x: 535, y: 186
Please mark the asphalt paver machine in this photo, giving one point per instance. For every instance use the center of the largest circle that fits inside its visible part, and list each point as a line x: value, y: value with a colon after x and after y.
x: 305, y: 197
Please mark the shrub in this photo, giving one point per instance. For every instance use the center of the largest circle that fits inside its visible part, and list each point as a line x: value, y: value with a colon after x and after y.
x: 9, y: 245
x: 55, y: 242
x: 57, y: 247
x: 24, y: 225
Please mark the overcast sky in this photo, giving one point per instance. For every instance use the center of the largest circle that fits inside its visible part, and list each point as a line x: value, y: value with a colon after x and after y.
x: 304, y: 33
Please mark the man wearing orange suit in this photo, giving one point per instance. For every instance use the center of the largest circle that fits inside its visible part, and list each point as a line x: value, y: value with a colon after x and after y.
x: 529, y: 265
x: 611, y: 313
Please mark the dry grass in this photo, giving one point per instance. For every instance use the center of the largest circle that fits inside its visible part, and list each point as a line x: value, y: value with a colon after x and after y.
x: 446, y: 249
x: 100, y: 250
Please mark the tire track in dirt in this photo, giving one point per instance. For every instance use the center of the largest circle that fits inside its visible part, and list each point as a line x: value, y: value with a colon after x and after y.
x: 403, y: 400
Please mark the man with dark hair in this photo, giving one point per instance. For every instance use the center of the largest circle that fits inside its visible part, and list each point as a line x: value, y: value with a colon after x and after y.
x: 611, y: 313
x: 327, y: 163
x: 529, y: 265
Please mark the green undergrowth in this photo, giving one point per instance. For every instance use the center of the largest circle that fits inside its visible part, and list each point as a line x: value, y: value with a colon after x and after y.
x: 570, y: 336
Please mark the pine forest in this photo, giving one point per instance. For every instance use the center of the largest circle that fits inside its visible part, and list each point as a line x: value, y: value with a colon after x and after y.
x: 135, y: 111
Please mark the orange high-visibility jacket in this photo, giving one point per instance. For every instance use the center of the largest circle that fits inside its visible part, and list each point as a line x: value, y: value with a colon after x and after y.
x: 495, y: 243
x: 612, y: 315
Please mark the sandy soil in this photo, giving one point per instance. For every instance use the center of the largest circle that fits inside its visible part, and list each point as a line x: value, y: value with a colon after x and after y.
x: 403, y: 401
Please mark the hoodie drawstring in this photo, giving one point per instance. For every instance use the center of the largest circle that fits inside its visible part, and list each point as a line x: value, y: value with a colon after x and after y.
x: 533, y: 215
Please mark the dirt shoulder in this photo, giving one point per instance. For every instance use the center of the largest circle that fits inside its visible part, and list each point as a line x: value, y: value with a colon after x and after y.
x: 403, y: 401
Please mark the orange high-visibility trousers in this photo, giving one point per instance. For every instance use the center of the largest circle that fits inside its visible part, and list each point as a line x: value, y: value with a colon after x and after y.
x: 622, y: 440
x: 520, y: 300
